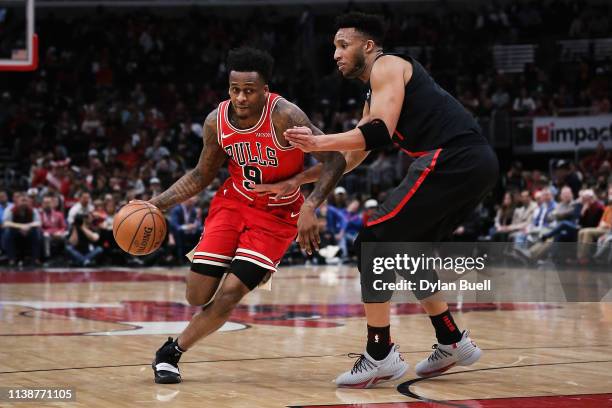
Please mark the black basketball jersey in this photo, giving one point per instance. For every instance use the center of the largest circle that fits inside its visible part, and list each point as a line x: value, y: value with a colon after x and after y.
x: 431, y: 118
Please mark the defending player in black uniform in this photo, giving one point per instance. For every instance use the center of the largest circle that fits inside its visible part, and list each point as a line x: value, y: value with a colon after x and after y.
x: 453, y: 170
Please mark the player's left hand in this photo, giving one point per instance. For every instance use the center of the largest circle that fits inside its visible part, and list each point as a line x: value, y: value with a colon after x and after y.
x: 308, y: 229
x: 302, y: 138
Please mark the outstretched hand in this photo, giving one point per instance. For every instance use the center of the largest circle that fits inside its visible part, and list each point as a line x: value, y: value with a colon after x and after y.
x: 302, y: 138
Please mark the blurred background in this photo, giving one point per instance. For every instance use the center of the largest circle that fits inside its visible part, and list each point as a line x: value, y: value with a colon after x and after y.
x: 114, y: 112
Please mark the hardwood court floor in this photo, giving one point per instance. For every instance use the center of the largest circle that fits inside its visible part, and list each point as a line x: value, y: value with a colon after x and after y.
x: 96, y: 331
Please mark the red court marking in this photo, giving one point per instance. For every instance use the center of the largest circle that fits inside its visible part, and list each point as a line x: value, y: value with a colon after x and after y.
x: 557, y: 401
x: 291, y: 315
x: 306, y: 315
x: 41, y: 276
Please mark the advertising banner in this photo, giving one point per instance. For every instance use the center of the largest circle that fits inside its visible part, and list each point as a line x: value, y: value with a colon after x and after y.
x: 554, y: 134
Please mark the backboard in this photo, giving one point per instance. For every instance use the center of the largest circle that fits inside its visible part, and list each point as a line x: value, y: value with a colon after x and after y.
x: 18, y: 41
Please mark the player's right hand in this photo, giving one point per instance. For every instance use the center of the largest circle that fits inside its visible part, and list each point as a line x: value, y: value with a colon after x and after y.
x: 280, y: 189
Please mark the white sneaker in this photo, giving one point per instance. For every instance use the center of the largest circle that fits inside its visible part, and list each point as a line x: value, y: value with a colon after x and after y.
x: 464, y: 353
x: 368, y: 372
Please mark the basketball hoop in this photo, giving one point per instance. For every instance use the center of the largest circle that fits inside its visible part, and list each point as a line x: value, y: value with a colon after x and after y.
x: 24, y: 60
x: 24, y: 66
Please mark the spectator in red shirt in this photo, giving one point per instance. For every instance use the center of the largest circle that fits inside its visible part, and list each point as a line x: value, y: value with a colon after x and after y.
x: 53, y: 226
x: 595, y: 220
x: 128, y: 156
x: 592, y: 209
x: 39, y: 171
x: 593, y: 162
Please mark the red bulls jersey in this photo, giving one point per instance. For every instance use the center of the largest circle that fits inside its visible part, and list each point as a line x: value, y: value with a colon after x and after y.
x: 256, y: 157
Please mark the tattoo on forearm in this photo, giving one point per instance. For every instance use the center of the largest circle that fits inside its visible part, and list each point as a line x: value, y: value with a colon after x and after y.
x: 333, y: 163
x: 196, y: 180
x: 331, y: 172
x: 187, y: 186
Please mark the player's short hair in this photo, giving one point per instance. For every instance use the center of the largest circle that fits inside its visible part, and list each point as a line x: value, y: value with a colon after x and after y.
x: 372, y: 25
x: 249, y: 59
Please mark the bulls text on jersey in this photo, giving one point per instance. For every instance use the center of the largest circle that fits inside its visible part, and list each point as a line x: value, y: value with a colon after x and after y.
x: 244, y: 154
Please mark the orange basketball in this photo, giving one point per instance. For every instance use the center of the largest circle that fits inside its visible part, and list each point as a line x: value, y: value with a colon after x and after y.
x: 139, y: 228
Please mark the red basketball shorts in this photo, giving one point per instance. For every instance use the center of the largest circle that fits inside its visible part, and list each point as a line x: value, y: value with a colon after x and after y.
x: 238, y: 234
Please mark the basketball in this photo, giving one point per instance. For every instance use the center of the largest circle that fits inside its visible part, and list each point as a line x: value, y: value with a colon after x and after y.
x: 139, y: 228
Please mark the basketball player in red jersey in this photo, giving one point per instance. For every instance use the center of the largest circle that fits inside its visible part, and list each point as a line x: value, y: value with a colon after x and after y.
x: 245, y: 233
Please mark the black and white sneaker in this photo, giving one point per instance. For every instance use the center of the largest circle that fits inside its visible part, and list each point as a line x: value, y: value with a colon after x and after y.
x: 165, y: 364
x: 463, y: 353
x: 367, y: 372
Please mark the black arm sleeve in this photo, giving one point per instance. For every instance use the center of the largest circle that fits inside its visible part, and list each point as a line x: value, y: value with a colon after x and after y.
x: 375, y: 134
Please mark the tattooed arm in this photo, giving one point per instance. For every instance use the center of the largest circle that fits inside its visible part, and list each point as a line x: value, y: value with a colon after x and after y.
x: 196, y: 180
x: 353, y: 159
x: 287, y: 115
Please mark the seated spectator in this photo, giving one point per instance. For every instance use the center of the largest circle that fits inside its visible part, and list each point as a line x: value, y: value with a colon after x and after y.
x: 83, y: 207
x: 604, y: 243
x: 370, y: 207
x: 109, y: 208
x: 339, y: 198
x: 98, y: 215
x: 53, y: 227
x: 186, y: 226
x: 503, y: 219
x: 22, y: 233
x: 523, y: 215
x: 523, y: 104
x: 4, y: 205
x: 540, y: 223
x: 336, y: 212
x: 564, y: 226
x: 33, y: 197
x: 565, y: 218
x: 591, y: 210
x: 83, y: 240
x: 351, y: 225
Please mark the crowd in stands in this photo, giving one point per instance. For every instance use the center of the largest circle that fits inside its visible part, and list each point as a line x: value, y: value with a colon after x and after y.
x: 573, y: 205
x: 115, y: 110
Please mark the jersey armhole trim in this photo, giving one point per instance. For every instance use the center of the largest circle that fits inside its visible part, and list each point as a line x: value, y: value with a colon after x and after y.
x: 219, y: 123
x: 275, y: 139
